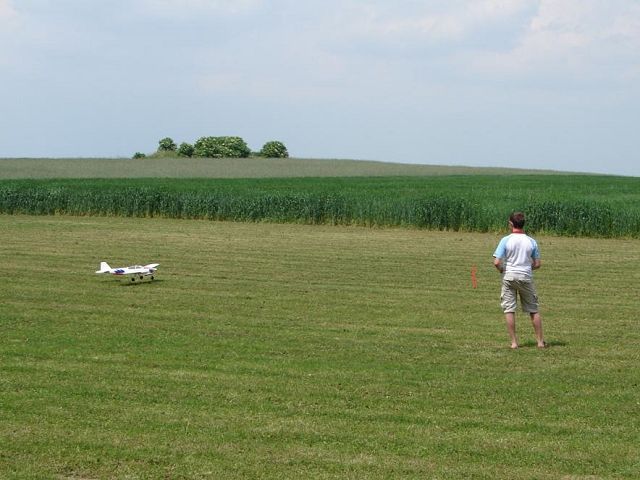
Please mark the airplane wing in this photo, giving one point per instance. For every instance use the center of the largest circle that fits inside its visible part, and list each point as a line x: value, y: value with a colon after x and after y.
x: 134, y: 270
x: 140, y: 270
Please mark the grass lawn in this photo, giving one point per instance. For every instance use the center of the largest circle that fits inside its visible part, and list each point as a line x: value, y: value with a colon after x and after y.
x: 292, y: 351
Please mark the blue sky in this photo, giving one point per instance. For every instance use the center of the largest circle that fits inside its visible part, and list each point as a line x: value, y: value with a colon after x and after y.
x: 520, y: 83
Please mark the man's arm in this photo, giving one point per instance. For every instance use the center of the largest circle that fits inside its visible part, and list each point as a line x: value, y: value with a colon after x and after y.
x: 499, y: 254
x: 497, y: 262
x: 535, y: 256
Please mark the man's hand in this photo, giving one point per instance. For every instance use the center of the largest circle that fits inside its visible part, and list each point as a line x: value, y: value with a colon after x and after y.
x: 498, y: 264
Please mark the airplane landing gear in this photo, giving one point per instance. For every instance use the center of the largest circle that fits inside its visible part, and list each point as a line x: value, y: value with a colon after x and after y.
x: 138, y: 279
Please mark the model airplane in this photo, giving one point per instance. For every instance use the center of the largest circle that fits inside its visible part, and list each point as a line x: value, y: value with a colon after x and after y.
x: 134, y: 273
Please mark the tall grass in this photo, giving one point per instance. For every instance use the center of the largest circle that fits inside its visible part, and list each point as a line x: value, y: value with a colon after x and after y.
x: 562, y: 205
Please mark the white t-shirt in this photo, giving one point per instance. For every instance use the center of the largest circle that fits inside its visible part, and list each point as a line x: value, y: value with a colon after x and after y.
x: 517, y: 251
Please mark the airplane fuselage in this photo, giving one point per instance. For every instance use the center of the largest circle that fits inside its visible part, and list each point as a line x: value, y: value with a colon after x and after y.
x: 133, y: 273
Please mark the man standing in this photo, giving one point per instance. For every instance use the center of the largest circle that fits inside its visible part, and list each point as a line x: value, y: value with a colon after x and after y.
x: 515, y: 258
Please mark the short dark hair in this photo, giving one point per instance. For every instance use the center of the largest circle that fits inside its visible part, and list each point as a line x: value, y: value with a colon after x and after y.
x: 517, y: 219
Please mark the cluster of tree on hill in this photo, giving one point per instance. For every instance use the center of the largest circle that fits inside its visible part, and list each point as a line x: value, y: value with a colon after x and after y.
x: 217, y: 147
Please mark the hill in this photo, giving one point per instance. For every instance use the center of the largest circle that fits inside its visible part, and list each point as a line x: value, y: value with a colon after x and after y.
x: 230, y: 168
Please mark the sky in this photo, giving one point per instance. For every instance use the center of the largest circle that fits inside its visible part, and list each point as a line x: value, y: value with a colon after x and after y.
x: 549, y: 84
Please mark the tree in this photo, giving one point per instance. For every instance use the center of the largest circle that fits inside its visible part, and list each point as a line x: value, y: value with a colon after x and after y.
x: 221, y: 147
x: 185, y: 149
x: 167, y: 145
x: 274, y: 149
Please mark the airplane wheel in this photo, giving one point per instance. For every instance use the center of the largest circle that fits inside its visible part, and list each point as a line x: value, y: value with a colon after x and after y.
x: 141, y: 277
x: 151, y: 277
x: 133, y: 279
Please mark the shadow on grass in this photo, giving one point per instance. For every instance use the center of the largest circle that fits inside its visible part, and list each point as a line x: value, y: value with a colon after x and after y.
x: 550, y: 344
x: 138, y: 282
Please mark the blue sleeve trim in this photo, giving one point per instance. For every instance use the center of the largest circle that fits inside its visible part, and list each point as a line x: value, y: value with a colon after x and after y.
x: 501, y: 250
x: 535, y: 252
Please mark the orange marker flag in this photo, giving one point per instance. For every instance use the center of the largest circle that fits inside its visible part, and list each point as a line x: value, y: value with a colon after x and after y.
x: 474, y: 280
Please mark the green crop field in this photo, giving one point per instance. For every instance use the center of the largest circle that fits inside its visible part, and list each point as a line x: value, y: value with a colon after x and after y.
x: 560, y: 204
x: 293, y: 351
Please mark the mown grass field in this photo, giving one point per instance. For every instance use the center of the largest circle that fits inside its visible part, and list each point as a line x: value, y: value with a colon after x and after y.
x: 294, y: 351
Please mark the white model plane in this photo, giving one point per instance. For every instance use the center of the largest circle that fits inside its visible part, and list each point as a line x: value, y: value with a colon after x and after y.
x: 134, y: 273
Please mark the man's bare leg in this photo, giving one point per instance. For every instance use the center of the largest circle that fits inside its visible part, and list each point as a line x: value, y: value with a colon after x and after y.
x: 536, y: 321
x: 511, y: 328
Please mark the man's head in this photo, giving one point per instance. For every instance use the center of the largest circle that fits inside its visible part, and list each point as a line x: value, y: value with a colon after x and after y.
x: 517, y: 220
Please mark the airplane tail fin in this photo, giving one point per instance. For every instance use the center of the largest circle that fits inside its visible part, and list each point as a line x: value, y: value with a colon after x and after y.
x: 104, y: 268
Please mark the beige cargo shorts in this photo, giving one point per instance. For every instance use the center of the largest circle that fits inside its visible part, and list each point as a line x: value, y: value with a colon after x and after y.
x: 512, y: 287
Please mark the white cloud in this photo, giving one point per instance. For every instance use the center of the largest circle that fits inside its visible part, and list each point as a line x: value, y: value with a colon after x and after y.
x: 356, y: 49
x: 5, y: 8
x: 573, y: 37
x: 186, y: 8
x: 453, y: 22
x: 8, y: 26
x: 8, y: 14
x: 547, y: 41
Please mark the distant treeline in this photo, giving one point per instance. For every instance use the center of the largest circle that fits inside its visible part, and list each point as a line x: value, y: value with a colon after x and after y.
x: 216, y: 147
x: 571, y: 205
